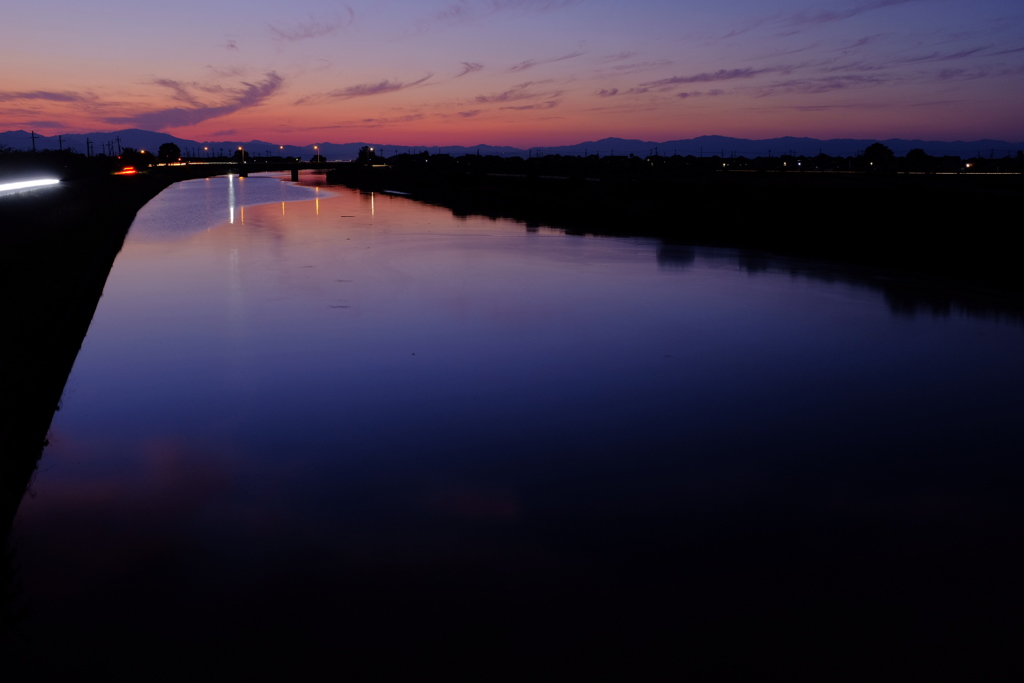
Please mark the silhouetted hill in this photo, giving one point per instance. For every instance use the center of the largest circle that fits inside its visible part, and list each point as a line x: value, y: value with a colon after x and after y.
x: 705, y: 145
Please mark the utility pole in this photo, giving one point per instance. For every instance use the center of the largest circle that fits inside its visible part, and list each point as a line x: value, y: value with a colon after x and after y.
x: 88, y: 147
x: 60, y: 143
x: 34, y: 136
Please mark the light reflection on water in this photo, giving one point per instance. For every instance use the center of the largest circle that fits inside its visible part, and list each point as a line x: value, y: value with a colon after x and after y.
x: 358, y: 425
x: 197, y: 205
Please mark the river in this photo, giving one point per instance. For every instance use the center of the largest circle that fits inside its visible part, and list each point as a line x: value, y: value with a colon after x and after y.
x: 316, y: 430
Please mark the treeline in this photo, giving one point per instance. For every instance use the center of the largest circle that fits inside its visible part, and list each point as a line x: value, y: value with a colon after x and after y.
x: 877, y: 158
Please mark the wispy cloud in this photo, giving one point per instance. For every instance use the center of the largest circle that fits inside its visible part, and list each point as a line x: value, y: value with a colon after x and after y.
x: 49, y: 96
x: 614, y: 92
x: 470, y: 10
x: 180, y: 90
x: 824, y: 16
x: 853, y: 66
x: 706, y: 77
x: 1011, y: 51
x: 700, y: 93
x: 376, y: 122
x: 530, y: 63
x: 837, y: 107
x: 941, y: 56
x: 972, y: 74
x: 861, y: 42
x: 638, y: 66
x: 550, y: 104
x: 364, y: 90
x: 249, y: 95
x: 315, y: 27
x: 513, y: 94
x: 468, y: 68
x: 815, y: 86
x: 811, y: 17
x: 619, y: 70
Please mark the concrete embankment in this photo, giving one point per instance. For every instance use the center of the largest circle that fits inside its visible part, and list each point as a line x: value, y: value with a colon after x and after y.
x: 57, y: 246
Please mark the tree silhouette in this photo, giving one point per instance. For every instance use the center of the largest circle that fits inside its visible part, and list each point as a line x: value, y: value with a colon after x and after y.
x: 878, y: 152
x: 878, y: 157
x: 169, y: 152
x: 918, y: 160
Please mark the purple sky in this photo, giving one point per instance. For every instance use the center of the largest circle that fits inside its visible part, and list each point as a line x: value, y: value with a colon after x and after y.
x: 522, y: 72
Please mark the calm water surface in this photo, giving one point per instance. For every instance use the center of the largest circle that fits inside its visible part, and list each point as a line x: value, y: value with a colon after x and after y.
x: 316, y: 430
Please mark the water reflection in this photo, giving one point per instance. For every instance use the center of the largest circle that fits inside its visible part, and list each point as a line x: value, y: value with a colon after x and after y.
x: 202, y: 204
x: 906, y: 294
x: 361, y: 429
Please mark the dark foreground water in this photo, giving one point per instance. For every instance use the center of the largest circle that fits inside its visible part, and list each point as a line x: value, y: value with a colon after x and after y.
x: 341, y: 435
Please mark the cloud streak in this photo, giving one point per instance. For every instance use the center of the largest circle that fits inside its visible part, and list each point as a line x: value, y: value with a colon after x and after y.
x: 816, y: 86
x: 468, y: 68
x: 315, y: 27
x: 550, y: 104
x: 364, y: 90
x: 530, y: 63
x: 720, y: 75
x: 467, y: 10
x: 49, y: 96
x: 250, y: 95
x: 513, y: 94
x: 825, y: 16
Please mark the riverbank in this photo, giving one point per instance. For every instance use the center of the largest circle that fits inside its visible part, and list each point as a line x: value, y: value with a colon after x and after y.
x: 951, y: 226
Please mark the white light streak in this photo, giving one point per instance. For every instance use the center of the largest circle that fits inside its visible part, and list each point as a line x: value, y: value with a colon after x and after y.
x: 27, y: 184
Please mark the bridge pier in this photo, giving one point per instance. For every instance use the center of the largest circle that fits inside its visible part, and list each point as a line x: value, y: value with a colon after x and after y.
x: 295, y: 174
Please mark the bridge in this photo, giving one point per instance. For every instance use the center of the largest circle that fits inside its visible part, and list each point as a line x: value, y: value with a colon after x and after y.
x: 184, y: 170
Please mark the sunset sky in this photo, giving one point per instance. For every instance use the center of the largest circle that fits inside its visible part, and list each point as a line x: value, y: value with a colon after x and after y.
x: 516, y: 72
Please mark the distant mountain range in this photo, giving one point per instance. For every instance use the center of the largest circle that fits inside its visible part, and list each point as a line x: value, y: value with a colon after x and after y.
x: 706, y: 145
